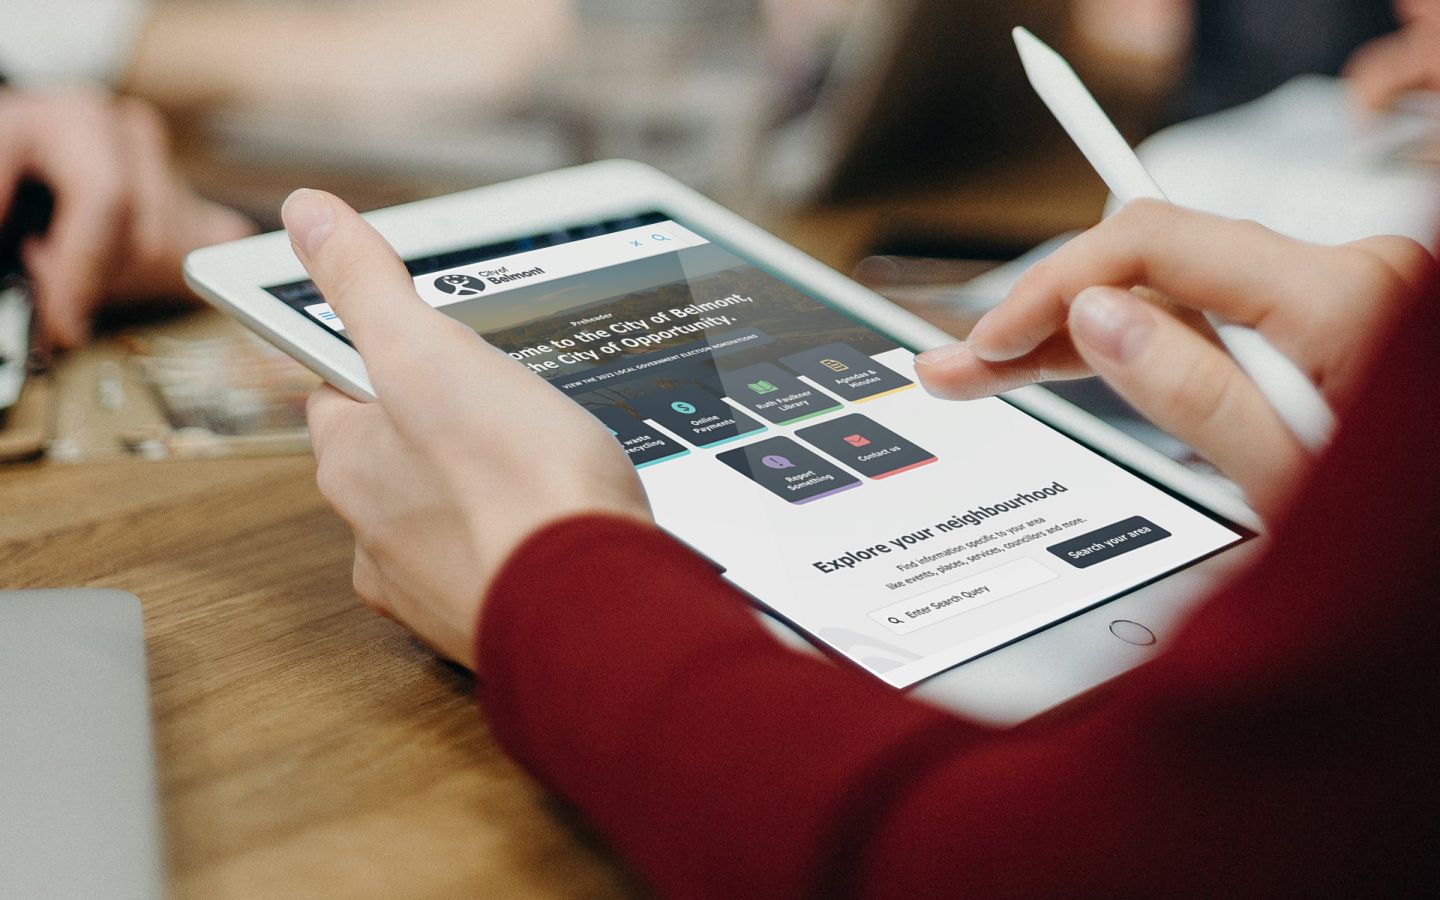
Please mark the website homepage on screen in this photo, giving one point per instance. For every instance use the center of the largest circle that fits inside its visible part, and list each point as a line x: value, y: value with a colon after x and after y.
x: 791, y: 444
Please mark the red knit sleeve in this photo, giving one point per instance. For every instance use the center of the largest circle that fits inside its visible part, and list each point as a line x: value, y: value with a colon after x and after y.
x: 1283, y: 745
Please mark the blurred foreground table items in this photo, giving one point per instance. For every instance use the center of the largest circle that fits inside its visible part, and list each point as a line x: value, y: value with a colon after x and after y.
x: 195, y: 386
x: 25, y: 428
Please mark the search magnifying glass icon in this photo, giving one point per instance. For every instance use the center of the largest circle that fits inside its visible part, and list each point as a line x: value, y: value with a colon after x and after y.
x: 659, y: 237
x: 895, y: 620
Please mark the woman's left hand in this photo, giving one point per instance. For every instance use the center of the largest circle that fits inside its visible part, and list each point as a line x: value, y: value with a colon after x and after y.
x: 465, y: 453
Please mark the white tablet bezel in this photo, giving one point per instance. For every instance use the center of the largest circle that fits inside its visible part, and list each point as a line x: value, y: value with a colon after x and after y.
x: 1005, y: 686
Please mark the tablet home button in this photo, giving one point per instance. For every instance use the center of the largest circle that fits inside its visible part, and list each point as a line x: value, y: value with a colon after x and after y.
x: 1132, y: 632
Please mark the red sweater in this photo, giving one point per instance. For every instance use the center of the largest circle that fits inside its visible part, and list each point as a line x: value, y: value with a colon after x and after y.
x: 1284, y: 745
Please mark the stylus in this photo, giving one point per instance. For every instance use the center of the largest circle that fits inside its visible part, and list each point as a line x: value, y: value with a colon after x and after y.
x: 1295, y: 399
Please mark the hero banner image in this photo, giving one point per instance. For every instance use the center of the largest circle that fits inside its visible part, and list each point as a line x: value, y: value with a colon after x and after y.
x: 791, y: 444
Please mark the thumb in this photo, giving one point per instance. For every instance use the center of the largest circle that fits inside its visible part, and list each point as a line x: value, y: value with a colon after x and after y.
x: 363, y: 279
x: 1187, y: 386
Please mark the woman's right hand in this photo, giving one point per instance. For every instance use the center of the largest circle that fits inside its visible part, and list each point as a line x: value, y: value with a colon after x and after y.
x: 1124, y: 301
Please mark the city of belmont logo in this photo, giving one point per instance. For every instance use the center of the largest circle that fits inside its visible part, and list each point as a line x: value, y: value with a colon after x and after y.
x: 473, y: 285
x: 459, y: 285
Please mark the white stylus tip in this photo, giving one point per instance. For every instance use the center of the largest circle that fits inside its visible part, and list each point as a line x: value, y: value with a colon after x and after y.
x: 1031, y: 48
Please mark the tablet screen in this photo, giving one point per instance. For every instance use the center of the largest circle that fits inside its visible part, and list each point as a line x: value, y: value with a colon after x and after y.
x: 790, y: 443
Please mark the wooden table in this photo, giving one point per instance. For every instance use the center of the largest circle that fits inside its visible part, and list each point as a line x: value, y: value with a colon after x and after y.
x: 306, y: 747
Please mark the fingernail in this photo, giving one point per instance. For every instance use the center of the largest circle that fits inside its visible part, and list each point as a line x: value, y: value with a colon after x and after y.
x: 939, y: 354
x: 308, y: 218
x: 1111, y: 321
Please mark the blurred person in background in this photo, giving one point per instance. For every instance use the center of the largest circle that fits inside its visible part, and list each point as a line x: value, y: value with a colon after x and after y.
x: 347, y: 56
x: 89, y: 81
x: 125, y: 218
x: 92, y: 82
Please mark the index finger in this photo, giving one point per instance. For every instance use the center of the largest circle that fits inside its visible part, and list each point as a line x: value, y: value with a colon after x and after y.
x: 1239, y: 270
x: 362, y: 278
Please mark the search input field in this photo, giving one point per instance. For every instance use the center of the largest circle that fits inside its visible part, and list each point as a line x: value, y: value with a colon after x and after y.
x: 962, y: 596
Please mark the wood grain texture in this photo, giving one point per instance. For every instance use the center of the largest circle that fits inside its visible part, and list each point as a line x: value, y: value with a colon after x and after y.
x: 306, y: 748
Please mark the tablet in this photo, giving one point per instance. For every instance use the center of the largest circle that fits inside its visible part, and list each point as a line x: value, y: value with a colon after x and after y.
x: 997, y: 556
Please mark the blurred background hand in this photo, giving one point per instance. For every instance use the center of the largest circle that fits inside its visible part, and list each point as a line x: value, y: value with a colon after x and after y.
x: 1123, y: 301
x: 438, y: 478
x: 123, y: 218
x: 1407, y: 60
